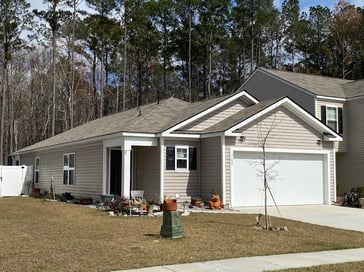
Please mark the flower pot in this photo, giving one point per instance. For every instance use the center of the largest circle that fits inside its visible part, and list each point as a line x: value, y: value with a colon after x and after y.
x: 36, y: 192
x: 170, y: 205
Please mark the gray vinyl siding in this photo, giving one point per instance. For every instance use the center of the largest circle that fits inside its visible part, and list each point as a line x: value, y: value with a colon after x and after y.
x: 263, y: 87
x: 350, y: 165
x: 210, y: 163
x: 184, y: 183
x: 289, y: 132
x: 339, y: 146
x: 29, y: 159
x: 216, y: 116
x: 147, y: 171
x: 228, y: 163
x: 88, y: 169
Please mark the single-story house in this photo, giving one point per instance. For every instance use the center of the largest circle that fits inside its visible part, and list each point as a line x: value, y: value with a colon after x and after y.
x: 193, y: 149
x: 338, y: 103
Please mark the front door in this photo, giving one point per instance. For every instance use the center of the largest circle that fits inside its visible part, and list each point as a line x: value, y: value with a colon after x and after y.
x: 115, y: 172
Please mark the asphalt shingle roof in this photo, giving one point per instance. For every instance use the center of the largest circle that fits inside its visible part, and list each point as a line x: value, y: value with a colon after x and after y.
x: 151, y: 118
x: 238, y: 117
x: 321, y: 85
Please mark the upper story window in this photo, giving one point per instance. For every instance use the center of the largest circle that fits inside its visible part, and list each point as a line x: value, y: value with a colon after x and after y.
x: 181, y: 158
x: 69, y: 169
x: 36, y: 169
x: 332, y: 116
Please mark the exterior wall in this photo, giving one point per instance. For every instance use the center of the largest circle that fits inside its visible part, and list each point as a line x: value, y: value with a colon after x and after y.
x: 350, y: 170
x: 88, y: 169
x: 146, y: 171
x: 288, y: 132
x: 210, y: 163
x: 184, y: 183
x: 217, y: 116
x: 339, y: 146
x: 28, y: 159
x: 263, y: 87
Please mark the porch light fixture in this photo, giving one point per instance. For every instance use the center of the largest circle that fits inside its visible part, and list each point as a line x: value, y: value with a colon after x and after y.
x: 242, y: 138
x: 318, y: 142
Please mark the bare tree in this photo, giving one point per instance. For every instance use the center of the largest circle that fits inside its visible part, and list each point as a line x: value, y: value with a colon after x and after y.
x: 265, y: 169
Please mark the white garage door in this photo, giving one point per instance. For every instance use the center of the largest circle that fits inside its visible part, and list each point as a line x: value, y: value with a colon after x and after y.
x: 295, y: 179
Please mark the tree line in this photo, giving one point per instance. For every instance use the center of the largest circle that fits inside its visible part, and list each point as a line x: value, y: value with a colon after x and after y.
x: 63, y: 66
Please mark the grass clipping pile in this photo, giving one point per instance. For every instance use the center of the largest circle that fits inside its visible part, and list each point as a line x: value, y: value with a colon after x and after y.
x: 37, y: 235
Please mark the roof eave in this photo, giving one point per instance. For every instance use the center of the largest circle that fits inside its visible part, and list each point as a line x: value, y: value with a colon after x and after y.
x: 218, y: 105
x: 296, y: 109
x: 88, y: 140
x: 331, y: 98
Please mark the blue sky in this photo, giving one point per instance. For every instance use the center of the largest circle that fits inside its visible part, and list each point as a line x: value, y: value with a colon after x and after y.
x: 304, y: 4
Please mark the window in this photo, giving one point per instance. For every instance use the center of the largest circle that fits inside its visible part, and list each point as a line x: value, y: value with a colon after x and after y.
x: 69, y: 169
x: 332, y: 117
x: 181, y: 158
x: 36, y: 169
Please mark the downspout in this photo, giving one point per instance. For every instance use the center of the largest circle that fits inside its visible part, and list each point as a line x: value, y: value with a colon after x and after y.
x: 161, y: 163
x: 334, y: 171
x: 104, y: 169
x: 223, y: 169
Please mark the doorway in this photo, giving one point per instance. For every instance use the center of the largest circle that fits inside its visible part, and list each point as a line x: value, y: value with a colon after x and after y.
x: 115, y: 172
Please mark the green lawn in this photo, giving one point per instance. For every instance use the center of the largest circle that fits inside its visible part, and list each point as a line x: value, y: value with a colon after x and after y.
x: 38, y: 235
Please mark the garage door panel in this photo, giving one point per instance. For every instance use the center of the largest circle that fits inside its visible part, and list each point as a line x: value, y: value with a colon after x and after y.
x: 293, y: 178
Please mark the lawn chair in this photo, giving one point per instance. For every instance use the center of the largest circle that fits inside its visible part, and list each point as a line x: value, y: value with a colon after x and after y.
x: 136, y: 198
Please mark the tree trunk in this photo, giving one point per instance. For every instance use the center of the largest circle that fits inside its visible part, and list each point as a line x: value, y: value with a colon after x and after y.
x: 3, y: 112
x: 72, y: 89
x: 94, y: 115
x: 54, y: 84
x: 124, y: 72
x: 11, y: 92
x: 102, y: 83
x: 190, y: 53
x: 210, y: 67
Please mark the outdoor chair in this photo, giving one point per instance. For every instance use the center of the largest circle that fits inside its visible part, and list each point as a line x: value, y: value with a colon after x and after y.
x: 136, y: 198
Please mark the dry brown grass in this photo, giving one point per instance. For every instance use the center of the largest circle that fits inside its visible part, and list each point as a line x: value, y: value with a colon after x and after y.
x: 37, y: 235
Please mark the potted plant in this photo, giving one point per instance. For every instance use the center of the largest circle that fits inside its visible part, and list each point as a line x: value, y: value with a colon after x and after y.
x: 197, y: 201
x: 169, y: 204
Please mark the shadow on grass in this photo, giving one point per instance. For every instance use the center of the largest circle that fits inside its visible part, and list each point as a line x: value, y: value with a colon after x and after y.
x: 152, y: 235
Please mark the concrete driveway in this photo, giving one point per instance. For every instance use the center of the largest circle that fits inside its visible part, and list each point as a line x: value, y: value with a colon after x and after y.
x: 326, y: 215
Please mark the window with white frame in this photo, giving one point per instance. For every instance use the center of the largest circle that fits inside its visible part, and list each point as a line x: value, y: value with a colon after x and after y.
x: 332, y: 116
x: 36, y: 169
x: 69, y: 169
x: 181, y: 158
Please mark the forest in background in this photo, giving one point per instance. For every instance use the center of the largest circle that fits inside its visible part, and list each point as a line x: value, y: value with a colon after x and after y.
x: 62, y: 66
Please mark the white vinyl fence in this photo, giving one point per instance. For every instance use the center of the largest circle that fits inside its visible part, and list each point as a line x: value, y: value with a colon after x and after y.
x: 15, y: 180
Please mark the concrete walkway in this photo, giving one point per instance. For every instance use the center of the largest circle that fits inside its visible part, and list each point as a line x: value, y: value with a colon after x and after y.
x: 326, y: 215
x: 264, y: 263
